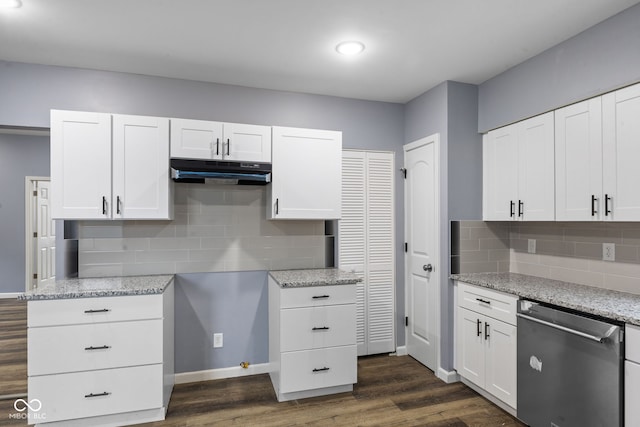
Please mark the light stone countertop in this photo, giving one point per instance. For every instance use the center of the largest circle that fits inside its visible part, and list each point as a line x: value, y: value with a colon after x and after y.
x: 313, y: 277
x: 100, y: 287
x: 621, y: 306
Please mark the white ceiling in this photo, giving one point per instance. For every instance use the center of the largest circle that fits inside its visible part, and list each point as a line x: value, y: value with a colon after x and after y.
x: 411, y: 45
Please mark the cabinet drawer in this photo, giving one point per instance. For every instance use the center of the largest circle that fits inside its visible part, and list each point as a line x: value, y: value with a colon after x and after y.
x: 497, y: 305
x: 60, y: 349
x: 93, y: 310
x: 312, y: 369
x: 632, y: 346
x: 317, y: 327
x: 94, y: 393
x: 313, y: 296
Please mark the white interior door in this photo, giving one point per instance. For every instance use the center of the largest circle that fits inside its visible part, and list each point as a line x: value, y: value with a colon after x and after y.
x: 46, y: 236
x: 421, y: 258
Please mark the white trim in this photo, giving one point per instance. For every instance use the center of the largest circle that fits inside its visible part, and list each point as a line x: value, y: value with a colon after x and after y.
x: 435, y: 139
x: 448, y: 376
x: 10, y: 295
x: 401, y: 350
x: 220, y: 373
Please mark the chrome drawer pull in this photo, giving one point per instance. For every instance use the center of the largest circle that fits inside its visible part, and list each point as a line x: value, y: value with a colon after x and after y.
x: 320, y: 369
x: 90, y: 395
x: 320, y: 296
x: 103, y: 347
x: 483, y: 300
x: 102, y: 310
x: 322, y: 328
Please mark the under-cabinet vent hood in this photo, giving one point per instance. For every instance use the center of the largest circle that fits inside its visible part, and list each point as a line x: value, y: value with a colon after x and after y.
x: 200, y: 171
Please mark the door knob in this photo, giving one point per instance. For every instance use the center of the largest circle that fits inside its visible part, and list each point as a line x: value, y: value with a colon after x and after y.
x: 427, y: 267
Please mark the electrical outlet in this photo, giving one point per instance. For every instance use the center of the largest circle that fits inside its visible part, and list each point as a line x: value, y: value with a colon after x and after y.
x: 217, y: 340
x: 531, y: 248
x: 608, y: 251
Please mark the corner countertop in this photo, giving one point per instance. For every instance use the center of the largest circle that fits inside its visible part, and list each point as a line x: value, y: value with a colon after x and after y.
x: 100, y: 287
x: 313, y: 277
x: 621, y: 306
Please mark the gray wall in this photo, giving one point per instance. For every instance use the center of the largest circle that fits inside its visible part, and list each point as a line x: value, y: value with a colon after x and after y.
x: 450, y: 109
x: 235, y: 304
x: 600, y: 59
x: 20, y: 156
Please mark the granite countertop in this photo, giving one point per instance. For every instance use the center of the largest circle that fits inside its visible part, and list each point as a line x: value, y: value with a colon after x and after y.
x: 615, y: 305
x: 313, y: 277
x: 100, y: 287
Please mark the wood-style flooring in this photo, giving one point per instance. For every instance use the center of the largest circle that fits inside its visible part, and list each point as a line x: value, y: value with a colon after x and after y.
x: 391, y: 391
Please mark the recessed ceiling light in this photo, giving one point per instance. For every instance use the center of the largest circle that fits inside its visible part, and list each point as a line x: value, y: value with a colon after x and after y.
x: 10, y: 3
x: 350, y: 48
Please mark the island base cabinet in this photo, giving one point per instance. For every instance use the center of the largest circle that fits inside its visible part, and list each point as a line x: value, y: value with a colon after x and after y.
x: 95, y: 393
x: 313, y: 369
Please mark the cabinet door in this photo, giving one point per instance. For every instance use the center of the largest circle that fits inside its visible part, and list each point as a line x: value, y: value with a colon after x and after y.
x: 80, y: 165
x: 536, y: 169
x: 631, y: 393
x: 621, y: 151
x: 501, y: 360
x: 470, y: 352
x: 247, y: 143
x: 141, y: 184
x: 500, y: 174
x: 196, y: 139
x: 307, y: 174
x: 578, y: 159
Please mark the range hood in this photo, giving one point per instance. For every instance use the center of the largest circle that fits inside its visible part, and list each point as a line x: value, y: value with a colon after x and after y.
x: 218, y: 171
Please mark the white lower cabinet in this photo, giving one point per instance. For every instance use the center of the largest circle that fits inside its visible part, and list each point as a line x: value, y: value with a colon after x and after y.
x: 99, y: 361
x: 632, y: 377
x: 486, y: 347
x: 312, y: 340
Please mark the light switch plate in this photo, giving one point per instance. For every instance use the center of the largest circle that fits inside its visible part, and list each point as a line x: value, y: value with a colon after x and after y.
x: 217, y: 340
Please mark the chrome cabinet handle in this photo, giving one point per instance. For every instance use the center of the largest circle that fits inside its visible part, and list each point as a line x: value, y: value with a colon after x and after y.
x: 428, y: 268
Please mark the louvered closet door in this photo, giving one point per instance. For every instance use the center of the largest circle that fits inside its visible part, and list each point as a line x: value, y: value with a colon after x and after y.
x: 365, y: 245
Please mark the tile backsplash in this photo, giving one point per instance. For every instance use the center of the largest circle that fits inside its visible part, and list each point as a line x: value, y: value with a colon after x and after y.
x: 216, y: 228
x: 568, y: 251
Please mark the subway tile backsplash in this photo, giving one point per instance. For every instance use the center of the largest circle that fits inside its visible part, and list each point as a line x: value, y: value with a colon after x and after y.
x: 216, y: 228
x: 568, y: 251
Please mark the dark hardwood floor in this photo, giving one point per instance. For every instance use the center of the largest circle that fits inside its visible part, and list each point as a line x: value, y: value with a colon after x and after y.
x: 391, y: 391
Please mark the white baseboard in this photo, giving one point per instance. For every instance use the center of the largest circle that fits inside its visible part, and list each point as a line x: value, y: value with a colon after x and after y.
x: 10, y: 295
x: 448, y: 376
x: 401, y: 350
x: 217, y: 374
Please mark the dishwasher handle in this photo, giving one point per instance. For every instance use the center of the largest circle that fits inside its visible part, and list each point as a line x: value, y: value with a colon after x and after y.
x: 595, y: 338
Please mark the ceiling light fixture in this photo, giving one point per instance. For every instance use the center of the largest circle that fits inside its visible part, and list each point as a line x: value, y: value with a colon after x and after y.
x: 10, y: 4
x: 350, y: 48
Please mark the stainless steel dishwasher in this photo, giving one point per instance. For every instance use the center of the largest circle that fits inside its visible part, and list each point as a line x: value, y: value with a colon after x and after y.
x: 570, y: 368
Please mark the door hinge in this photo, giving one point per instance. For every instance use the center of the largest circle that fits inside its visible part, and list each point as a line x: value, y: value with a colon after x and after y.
x: 406, y: 320
x: 35, y: 275
x: 404, y: 172
x: 35, y: 234
x: 406, y: 247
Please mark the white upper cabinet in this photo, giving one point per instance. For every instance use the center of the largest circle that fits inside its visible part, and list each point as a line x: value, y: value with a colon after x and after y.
x: 107, y: 166
x: 579, y: 194
x: 620, y: 154
x: 141, y: 183
x: 518, y: 171
x: 307, y: 174
x: 200, y: 139
x: 80, y: 165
